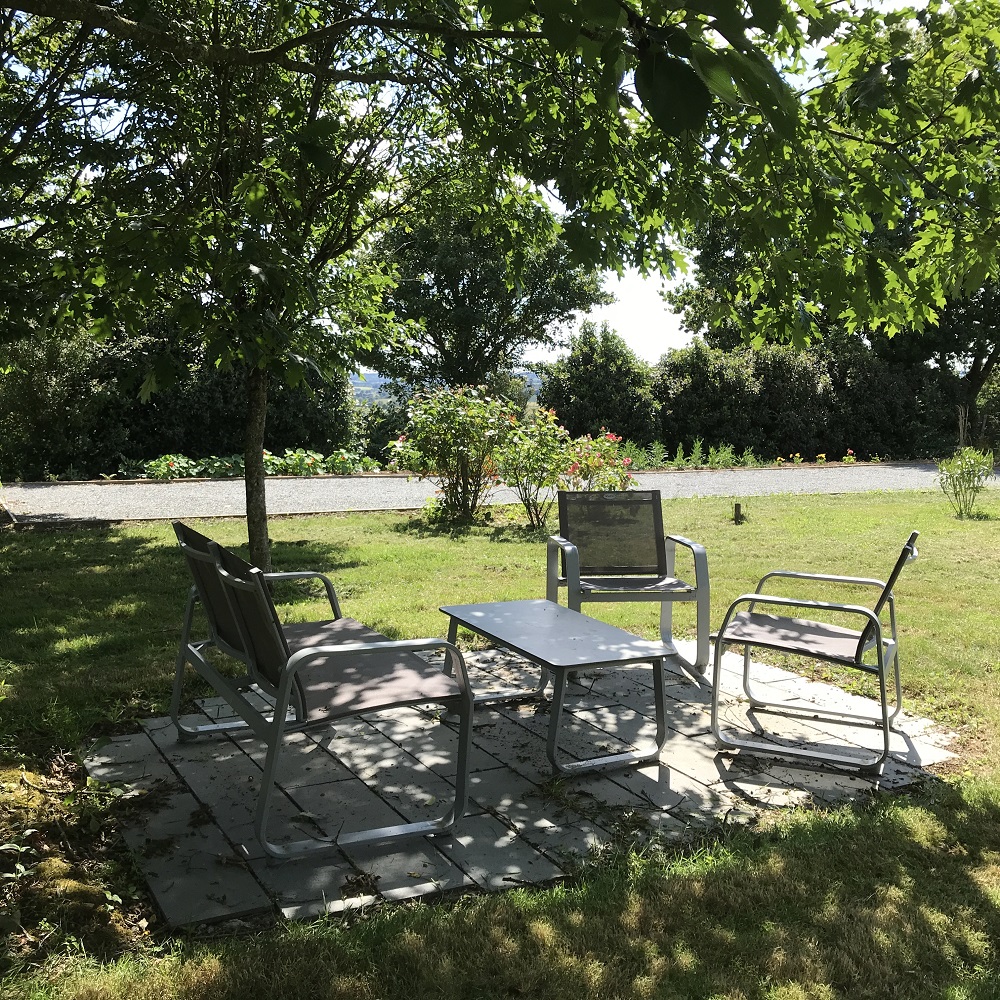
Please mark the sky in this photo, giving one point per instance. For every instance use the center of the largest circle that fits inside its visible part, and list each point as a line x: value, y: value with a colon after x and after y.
x: 639, y: 316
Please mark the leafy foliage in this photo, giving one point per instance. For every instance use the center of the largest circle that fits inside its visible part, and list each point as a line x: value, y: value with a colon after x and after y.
x: 777, y: 400
x: 453, y: 435
x: 964, y: 476
x: 597, y: 464
x: 294, y: 462
x: 70, y: 407
x: 478, y: 277
x: 532, y: 459
x: 601, y: 384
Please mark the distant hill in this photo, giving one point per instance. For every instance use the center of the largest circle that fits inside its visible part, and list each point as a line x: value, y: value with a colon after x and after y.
x: 369, y: 386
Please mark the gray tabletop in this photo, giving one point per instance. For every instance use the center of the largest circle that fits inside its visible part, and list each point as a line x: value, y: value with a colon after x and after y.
x: 554, y: 636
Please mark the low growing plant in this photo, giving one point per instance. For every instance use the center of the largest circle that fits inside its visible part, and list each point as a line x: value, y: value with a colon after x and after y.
x: 964, y: 476
x: 173, y: 467
x: 721, y: 456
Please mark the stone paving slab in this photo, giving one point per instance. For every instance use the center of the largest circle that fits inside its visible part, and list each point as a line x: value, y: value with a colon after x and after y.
x: 193, y: 835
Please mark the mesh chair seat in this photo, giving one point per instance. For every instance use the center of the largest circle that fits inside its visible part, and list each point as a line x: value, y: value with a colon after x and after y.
x: 796, y: 635
x: 366, y: 682
x: 636, y: 584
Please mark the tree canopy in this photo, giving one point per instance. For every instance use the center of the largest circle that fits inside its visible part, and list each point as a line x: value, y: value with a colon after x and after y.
x: 218, y: 163
x: 477, y: 280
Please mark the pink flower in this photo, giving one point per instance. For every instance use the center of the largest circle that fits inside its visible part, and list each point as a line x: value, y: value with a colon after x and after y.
x: 626, y: 461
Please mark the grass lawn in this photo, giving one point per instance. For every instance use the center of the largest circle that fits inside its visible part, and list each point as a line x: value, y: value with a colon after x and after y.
x: 896, y: 898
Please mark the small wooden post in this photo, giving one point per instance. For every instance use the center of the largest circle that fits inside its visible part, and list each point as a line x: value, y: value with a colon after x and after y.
x: 738, y: 513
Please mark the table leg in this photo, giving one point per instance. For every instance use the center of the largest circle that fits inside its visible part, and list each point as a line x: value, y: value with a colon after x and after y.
x: 609, y: 760
x: 512, y: 695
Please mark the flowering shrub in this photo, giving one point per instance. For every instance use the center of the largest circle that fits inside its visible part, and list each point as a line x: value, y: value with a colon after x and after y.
x: 849, y: 457
x: 821, y: 458
x: 596, y: 464
x: 531, y: 459
x: 453, y: 435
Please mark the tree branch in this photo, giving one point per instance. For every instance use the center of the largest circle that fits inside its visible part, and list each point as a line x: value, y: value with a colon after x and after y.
x: 166, y: 37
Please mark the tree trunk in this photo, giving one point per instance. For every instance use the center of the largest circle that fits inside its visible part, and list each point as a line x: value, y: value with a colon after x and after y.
x: 253, y: 457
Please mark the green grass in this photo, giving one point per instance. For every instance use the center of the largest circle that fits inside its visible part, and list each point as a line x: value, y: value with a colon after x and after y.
x: 893, y: 899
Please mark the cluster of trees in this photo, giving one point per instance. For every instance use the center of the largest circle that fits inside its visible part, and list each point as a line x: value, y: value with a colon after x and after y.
x: 774, y: 399
x: 225, y: 172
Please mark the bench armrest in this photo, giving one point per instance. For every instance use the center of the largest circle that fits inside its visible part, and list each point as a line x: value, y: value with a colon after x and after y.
x: 331, y: 594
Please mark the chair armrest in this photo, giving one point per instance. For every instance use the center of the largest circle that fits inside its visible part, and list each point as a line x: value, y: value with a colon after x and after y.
x: 700, y: 559
x: 306, y: 574
x: 751, y: 600
x: 571, y: 556
x: 459, y: 671
x: 823, y: 577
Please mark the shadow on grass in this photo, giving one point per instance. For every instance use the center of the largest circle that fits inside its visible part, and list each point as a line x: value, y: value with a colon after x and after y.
x: 420, y: 527
x: 90, y: 641
x: 896, y: 900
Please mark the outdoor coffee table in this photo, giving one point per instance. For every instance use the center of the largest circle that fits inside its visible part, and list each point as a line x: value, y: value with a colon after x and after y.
x: 559, y: 641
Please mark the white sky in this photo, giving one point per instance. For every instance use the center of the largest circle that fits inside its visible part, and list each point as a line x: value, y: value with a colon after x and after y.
x: 639, y: 316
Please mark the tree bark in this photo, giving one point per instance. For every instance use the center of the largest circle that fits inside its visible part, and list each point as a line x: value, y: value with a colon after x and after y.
x: 253, y: 457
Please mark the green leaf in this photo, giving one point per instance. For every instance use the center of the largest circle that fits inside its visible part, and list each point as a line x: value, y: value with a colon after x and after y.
x: 711, y: 67
x: 508, y: 11
x: 767, y: 14
x: 761, y: 85
x: 560, y: 32
x: 672, y: 92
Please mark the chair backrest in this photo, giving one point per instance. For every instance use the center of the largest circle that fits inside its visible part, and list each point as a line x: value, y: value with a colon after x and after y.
x: 908, y: 554
x: 255, y: 616
x: 618, y: 533
x: 223, y: 628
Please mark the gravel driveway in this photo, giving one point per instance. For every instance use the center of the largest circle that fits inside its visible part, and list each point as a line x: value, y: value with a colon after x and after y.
x: 145, y: 500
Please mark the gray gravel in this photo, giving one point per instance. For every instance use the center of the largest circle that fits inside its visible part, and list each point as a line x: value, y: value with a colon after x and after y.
x: 144, y: 500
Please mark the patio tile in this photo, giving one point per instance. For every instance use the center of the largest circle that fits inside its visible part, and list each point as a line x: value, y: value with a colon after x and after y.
x: 307, y: 887
x: 194, y: 830
x: 495, y: 857
x: 407, y: 871
x: 431, y: 742
x: 303, y: 760
x: 130, y: 760
x: 193, y: 872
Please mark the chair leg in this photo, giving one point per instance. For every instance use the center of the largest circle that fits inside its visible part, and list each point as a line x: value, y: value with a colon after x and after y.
x: 704, y: 611
x: 804, y: 753
x: 324, y: 842
x: 667, y: 623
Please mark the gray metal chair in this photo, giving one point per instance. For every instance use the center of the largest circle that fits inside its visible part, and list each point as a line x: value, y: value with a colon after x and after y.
x: 611, y: 547
x: 868, y: 649
x: 316, y: 671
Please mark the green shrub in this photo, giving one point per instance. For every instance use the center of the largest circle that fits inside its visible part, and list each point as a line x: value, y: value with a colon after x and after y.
x: 453, y: 435
x: 531, y: 459
x: 597, y: 464
x: 964, y: 476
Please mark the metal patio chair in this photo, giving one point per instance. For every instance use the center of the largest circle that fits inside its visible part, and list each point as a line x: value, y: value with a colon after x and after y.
x: 315, y: 672
x: 611, y: 547
x: 871, y: 649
